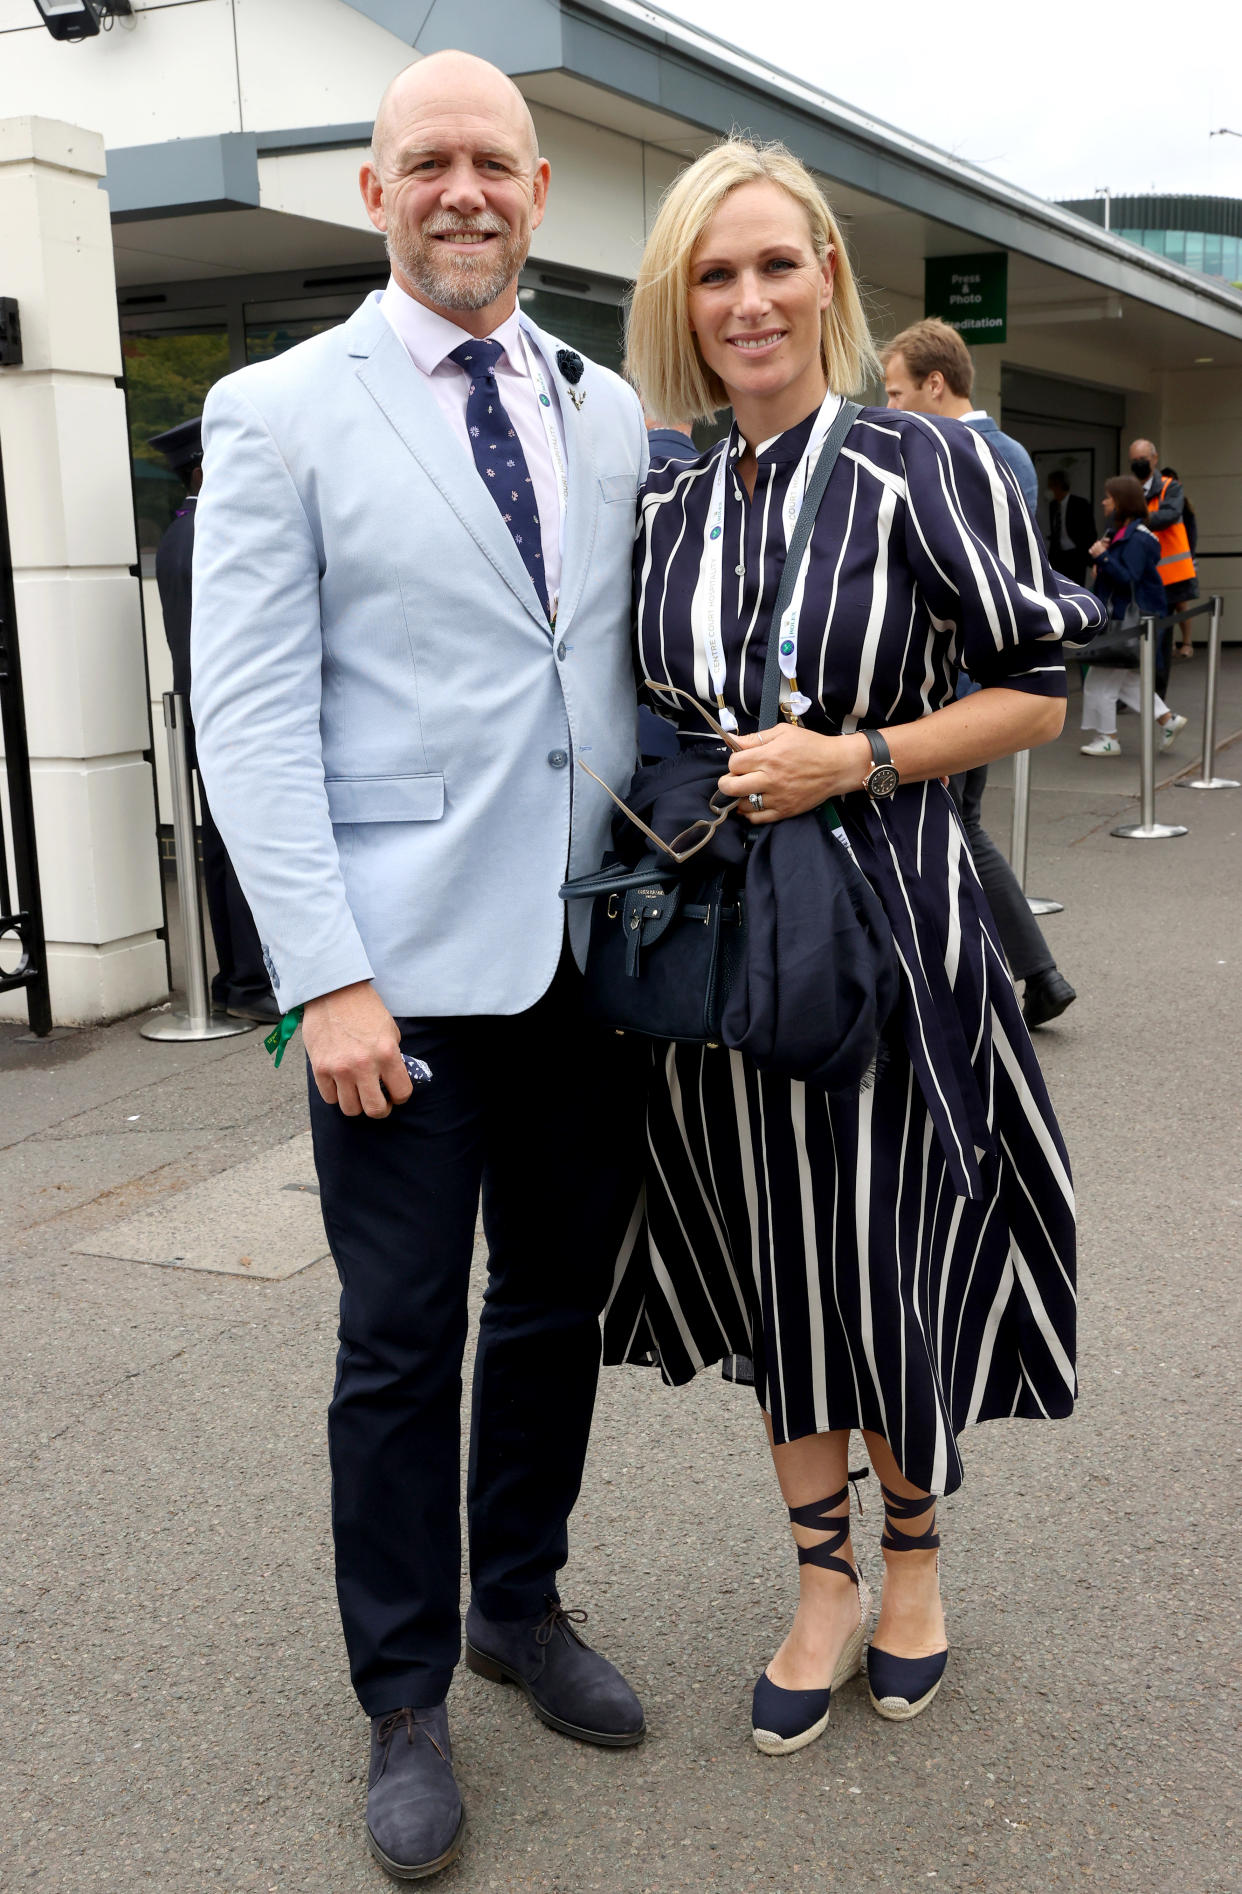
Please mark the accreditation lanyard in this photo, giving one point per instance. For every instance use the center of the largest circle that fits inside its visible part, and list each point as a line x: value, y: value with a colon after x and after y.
x: 547, y: 414
x: 706, y: 613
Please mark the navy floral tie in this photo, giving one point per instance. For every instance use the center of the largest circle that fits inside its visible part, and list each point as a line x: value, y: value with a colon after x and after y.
x: 498, y: 455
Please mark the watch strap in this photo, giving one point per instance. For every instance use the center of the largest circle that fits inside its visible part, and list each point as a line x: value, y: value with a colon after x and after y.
x: 880, y: 752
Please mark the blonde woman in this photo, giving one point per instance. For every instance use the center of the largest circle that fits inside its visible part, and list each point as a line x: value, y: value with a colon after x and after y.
x: 900, y: 1258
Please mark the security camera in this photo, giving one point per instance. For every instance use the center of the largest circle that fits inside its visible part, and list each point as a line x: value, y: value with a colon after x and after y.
x: 80, y: 19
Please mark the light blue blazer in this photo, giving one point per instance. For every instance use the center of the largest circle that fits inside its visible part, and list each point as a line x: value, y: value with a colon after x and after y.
x: 387, y: 726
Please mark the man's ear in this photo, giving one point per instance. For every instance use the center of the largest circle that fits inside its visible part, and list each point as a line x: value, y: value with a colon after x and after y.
x: 373, y: 195
x: 543, y: 174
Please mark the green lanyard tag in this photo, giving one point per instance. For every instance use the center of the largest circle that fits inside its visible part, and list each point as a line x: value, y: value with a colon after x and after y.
x: 280, y: 1036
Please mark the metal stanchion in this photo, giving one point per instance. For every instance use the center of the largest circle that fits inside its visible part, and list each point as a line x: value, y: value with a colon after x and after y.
x: 198, y: 1021
x: 1148, y: 830
x: 1020, y: 834
x: 1209, y: 778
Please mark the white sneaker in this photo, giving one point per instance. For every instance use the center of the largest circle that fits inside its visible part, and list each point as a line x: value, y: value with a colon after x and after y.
x: 1170, y: 731
x: 1103, y: 746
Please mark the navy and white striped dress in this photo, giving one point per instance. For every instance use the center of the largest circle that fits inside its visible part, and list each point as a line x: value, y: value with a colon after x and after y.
x: 900, y: 1257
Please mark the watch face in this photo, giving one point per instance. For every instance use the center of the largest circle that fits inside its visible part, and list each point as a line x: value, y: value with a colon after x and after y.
x: 882, y: 780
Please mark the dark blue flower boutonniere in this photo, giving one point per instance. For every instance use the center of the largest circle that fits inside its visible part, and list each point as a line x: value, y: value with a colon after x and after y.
x: 572, y: 368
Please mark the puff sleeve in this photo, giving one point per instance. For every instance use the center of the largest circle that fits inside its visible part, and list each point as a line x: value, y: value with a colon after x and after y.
x: 980, y: 562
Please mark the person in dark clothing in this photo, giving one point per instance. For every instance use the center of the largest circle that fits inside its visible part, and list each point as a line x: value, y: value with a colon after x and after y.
x: 928, y: 369
x: 241, y: 986
x: 1071, y: 529
x: 1127, y: 569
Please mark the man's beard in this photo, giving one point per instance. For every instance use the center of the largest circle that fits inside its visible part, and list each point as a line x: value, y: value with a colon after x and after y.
x: 451, y: 279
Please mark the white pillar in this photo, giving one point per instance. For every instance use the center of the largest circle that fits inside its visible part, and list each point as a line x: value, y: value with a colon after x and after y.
x: 66, y: 464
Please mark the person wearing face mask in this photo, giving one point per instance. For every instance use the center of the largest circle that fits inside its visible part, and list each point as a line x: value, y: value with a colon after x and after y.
x: 896, y: 1255
x: 1166, y: 516
x: 1127, y: 570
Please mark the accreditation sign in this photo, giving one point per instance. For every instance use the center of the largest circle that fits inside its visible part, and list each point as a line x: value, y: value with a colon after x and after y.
x: 970, y: 292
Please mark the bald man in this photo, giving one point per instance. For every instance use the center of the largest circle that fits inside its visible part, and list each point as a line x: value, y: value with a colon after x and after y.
x: 1166, y: 516
x: 412, y: 604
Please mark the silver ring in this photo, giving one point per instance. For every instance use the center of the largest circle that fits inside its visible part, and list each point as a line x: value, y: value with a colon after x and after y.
x: 755, y: 800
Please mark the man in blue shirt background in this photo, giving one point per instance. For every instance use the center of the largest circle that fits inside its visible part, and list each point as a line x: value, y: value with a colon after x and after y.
x: 928, y: 370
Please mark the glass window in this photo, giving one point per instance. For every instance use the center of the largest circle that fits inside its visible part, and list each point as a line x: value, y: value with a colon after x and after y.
x: 1175, y: 245
x: 1211, y: 253
x: 264, y: 340
x: 1194, y: 249
x: 594, y: 328
x: 167, y: 378
x: 1151, y: 240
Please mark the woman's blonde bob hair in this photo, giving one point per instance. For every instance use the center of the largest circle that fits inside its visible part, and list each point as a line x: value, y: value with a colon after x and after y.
x: 662, y: 355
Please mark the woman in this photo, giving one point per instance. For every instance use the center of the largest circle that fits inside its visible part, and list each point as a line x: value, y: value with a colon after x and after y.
x: 1127, y: 568
x: 900, y: 1258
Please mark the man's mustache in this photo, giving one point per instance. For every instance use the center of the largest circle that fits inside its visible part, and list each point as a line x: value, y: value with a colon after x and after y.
x: 443, y: 222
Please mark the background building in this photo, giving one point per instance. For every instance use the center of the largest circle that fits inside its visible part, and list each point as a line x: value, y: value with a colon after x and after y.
x: 229, y: 226
x: 1203, y: 233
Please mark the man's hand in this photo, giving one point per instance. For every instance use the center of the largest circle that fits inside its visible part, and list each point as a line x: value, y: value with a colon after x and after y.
x: 354, y: 1047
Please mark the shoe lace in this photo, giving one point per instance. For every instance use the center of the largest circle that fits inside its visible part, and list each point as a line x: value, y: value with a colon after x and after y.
x: 558, y: 1619
x: 392, y: 1723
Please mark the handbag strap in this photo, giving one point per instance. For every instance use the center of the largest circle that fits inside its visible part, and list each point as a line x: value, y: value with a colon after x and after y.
x: 846, y: 416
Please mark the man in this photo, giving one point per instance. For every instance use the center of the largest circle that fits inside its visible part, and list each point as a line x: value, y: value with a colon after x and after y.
x: 1071, y: 529
x: 412, y: 617
x: 1166, y: 516
x: 928, y: 370
x: 240, y: 986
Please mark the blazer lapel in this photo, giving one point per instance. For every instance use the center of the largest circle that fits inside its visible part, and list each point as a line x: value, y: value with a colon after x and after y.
x: 582, y: 512
x: 401, y: 394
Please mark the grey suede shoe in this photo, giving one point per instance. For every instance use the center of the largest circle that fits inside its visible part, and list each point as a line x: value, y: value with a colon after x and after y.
x: 571, y: 1687
x: 415, y: 1820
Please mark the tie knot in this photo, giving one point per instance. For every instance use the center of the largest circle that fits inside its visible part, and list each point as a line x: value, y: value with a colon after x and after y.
x: 477, y: 358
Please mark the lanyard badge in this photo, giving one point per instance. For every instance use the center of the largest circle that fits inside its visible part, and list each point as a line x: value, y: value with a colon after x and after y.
x: 706, y: 613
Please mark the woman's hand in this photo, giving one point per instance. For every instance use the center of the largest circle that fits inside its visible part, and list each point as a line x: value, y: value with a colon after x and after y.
x: 794, y: 770
x: 1099, y: 549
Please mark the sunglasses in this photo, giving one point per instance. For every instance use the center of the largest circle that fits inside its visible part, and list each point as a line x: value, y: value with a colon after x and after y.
x: 699, y: 833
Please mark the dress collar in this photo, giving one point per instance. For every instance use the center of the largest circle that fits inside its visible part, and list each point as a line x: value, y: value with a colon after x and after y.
x: 783, y: 450
x: 430, y: 338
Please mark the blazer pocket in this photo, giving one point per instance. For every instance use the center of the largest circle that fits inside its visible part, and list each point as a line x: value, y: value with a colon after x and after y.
x: 623, y: 486
x: 385, y: 798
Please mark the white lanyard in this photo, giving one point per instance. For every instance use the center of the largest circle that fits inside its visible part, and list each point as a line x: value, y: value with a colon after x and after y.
x: 706, y: 607
x: 547, y: 414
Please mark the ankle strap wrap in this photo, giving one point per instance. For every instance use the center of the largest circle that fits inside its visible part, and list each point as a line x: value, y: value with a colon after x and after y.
x: 819, y: 1517
x: 896, y: 1507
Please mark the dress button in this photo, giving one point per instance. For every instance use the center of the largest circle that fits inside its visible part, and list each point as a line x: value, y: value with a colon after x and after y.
x: 557, y: 759
x: 740, y: 571
x: 560, y: 651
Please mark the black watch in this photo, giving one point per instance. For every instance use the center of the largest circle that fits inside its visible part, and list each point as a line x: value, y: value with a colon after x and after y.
x: 881, y: 779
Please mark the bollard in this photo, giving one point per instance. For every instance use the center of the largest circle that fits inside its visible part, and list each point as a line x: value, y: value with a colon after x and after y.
x: 1019, y: 834
x: 198, y: 1021
x: 1209, y: 778
x: 1148, y: 829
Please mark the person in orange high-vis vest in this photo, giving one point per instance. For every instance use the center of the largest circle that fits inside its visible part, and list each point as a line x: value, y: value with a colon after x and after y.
x: 1166, y: 505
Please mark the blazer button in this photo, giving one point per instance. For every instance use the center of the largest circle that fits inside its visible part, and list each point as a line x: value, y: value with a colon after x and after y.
x: 560, y: 651
x: 557, y: 759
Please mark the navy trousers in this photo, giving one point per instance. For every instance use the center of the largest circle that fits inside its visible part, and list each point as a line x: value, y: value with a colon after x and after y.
x: 543, y: 1115
x: 1026, y: 950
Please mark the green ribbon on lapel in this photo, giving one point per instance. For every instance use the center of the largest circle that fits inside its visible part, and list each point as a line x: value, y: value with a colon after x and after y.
x: 280, y: 1036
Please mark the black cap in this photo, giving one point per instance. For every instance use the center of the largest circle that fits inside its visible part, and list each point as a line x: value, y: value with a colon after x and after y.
x: 181, y: 446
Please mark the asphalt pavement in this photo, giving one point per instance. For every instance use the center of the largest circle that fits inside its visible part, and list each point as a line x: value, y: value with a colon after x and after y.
x: 176, y: 1708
